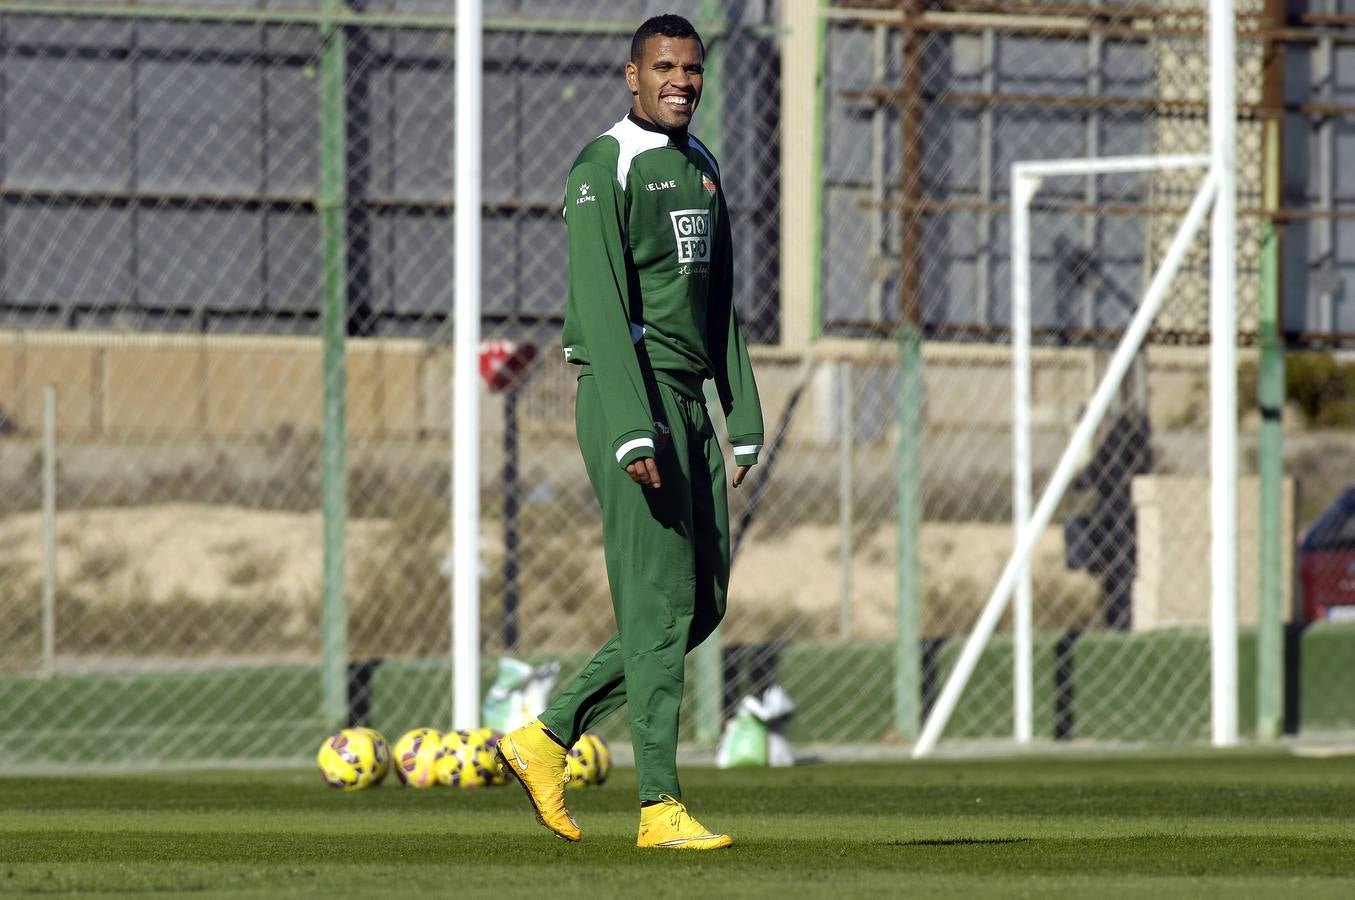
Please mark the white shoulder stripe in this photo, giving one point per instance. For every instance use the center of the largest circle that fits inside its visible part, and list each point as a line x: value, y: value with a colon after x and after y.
x: 634, y: 140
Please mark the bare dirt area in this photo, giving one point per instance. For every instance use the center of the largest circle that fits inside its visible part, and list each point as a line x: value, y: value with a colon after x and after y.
x: 784, y: 584
x: 797, y: 577
x: 159, y: 553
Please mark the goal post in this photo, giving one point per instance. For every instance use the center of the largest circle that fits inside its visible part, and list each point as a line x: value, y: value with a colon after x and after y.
x: 1223, y: 372
x: 465, y: 413
x: 1026, y: 180
x: 1081, y: 439
x: 1219, y: 189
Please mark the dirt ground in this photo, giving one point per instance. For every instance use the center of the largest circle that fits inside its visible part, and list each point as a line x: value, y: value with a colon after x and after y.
x: 789, y: 583
x: 799, y: 575
x: 182, y: 550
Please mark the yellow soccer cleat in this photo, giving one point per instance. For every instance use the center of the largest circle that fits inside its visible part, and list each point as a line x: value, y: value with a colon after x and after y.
x: 668, y: 824
x: 538, y: 763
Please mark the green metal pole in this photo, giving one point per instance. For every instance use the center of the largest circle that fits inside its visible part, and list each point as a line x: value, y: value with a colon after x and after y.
x: 908, y: 614
x: 714, y: 30
x: 709, y: 673
x: 1270, y: 388
x: 333, y: 129
x: 821, y: 80
x: 908, y: 608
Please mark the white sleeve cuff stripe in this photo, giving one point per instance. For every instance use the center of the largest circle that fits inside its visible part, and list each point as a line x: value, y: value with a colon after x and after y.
x: 631, y: 445
x: 747, y: 449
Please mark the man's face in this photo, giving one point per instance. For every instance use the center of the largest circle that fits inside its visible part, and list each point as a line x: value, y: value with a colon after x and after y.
x: 666, y: 82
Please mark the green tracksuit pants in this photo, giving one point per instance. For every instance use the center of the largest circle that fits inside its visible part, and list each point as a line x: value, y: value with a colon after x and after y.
x: 667, y: 554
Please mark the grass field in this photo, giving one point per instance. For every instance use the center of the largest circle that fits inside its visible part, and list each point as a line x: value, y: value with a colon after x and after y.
x: 1170, y: 826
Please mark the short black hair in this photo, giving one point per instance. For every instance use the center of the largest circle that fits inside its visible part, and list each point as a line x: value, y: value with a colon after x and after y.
x: 662, y: 26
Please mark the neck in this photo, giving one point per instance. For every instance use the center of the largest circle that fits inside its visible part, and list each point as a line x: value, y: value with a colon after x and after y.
x: 677, y: 134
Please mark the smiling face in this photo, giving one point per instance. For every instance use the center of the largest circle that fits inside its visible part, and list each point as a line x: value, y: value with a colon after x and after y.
x: 665, y: 83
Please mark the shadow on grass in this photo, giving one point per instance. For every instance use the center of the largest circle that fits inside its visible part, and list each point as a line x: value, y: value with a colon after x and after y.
x: 957, y: 842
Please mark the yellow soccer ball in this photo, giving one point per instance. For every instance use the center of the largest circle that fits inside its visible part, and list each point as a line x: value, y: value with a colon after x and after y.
x: 582, y: 763
x: 348, y: 760
x: 449, y: 762
x: 499, y: 773
x: 416, y: 756
x: 487, y: 754
x: 604, y: 758
x: 467, y: 761
x: 383, y: 752
x: 448, y: 769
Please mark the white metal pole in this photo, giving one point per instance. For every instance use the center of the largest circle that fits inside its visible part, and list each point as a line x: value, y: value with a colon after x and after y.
x: 1107, y: 165
x: 465, y: 377
x: 1023, y: 191
x: 1063, y: 472
x: 1223, y: 373
x: 49, y: 529
x: 845, y: 446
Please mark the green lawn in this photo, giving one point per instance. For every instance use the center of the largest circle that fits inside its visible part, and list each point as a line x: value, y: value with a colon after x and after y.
x: 1106, y: 826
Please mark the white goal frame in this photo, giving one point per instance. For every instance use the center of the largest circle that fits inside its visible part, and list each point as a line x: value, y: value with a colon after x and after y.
x: 1026, y: 180
x: 1219, y: 188
x: 1015, y: 578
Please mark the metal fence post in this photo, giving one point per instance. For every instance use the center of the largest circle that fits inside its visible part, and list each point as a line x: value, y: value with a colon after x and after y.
x: 709, y: 677
x: 49, y: 530
x: 334, y: 613
x: 1270, y: 388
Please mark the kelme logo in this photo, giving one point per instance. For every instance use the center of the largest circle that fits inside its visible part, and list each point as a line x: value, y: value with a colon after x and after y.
x: 691, y: 230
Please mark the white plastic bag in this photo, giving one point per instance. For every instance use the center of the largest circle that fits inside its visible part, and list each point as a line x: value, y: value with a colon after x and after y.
x: 519, y: 693
x: 756, y: 734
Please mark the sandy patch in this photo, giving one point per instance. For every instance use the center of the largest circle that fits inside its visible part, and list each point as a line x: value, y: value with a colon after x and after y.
x: 157, y: 553
x: 793, y: 581
x: 784, y: 585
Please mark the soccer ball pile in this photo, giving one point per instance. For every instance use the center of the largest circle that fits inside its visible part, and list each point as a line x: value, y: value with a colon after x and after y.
x: 355, y: 758
x: 589, y: 762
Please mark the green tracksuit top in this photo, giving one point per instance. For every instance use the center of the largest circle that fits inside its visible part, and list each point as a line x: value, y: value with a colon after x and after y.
x: 650, y: 283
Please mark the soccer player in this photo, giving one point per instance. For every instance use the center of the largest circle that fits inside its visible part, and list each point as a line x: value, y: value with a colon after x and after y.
x: 649, y: 320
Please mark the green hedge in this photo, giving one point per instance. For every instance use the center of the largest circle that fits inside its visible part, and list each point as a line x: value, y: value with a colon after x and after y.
x: 1150, y: 687
x: 1327, y: 677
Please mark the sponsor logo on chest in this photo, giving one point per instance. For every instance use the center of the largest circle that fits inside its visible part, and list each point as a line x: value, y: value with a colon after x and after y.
x: 691, y: 230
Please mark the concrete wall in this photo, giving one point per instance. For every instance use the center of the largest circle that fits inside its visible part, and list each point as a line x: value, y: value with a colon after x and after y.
x: 167, y: 389
x: 1173, y: 534
x: 113, y: 386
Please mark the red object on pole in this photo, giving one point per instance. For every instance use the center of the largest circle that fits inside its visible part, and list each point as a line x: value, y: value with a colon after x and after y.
x: 506, y: 364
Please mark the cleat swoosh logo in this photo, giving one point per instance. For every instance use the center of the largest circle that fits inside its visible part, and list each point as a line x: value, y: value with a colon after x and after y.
x: 677, y: 842
x: 517, y: 757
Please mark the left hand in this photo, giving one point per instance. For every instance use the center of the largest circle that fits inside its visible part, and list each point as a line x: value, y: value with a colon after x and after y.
x: 739, y: 474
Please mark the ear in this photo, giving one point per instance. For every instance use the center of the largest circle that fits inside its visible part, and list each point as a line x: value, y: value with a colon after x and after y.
x: 633, y: 77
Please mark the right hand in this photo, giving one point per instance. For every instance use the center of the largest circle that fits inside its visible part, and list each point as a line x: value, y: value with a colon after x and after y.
x: 644, y: 472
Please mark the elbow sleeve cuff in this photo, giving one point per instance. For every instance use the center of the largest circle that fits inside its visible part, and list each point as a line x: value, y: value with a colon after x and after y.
x: 630, y: 447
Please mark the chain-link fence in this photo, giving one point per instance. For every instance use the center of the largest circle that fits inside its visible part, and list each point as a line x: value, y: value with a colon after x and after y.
x: 928, y: 110
x: 167, y: 176
x: 927, y: 106
x: 169, y: 171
